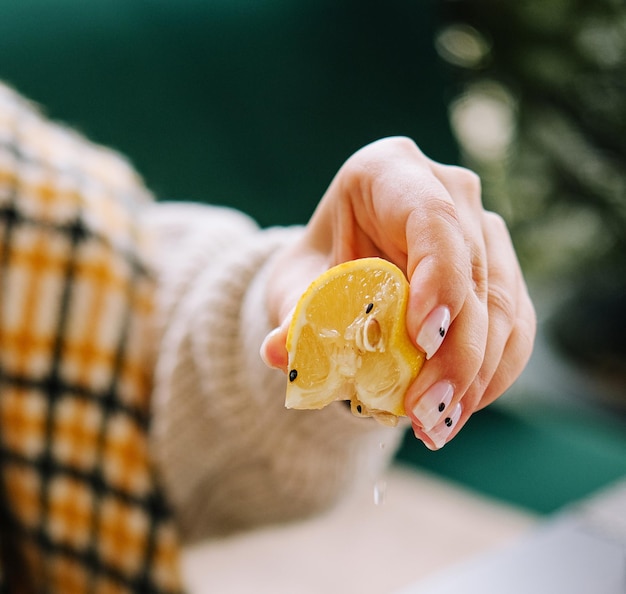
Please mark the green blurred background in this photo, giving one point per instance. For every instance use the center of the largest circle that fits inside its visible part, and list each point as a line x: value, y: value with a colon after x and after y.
x: 249, y: 103
x: 255, y: 104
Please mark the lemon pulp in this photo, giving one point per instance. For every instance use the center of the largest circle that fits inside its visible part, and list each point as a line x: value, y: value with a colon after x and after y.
x: 348, y: 341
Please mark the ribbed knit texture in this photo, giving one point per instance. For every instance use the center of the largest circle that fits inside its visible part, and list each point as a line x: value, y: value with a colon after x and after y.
x: 230, y: 454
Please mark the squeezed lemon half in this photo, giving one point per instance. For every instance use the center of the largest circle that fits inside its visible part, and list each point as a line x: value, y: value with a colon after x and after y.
x: 348, y: 341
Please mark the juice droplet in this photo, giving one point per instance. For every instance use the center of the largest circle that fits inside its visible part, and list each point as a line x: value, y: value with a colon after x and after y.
x: 380, y: 485
x: 380, y: 491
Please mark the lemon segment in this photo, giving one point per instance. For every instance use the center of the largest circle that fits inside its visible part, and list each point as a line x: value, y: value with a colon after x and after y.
x: 348, y: 341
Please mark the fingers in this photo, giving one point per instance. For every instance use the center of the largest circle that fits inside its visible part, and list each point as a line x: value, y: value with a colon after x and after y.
x: 450, y: 288
x: 390, y: 200
x: 424, y: 217
x: 469, y: 309
x: 485, y: 350
x: 511, y: 318
x: 436, y: 402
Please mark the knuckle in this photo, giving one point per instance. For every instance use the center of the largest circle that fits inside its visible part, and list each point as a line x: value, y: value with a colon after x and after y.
x: 501, y: 303
x: 514, y: 359
x: 398, y: 143
x: 496, y: 223
x: 376, y: 161
x: 476, y: 391
x: 440, y: 228
x: 442, y: 212
x: 472, y: 354
x: 525, y: 331
x: 385, y: 149
x: 494, y: 218
x: 469, y: 180
x: 480, y: 272
x: 466, y: 182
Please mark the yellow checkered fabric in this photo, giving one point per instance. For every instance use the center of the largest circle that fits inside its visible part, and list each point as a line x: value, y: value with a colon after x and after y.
x: 80, y: 508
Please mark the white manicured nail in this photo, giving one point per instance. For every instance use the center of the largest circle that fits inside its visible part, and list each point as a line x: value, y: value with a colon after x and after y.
x: 431, y: 407
x: 440, y: 433
x: 434, y: 330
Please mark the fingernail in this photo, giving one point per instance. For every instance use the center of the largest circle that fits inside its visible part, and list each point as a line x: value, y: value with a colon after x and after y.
x: 440, y: 433
x: 432, y: 405
x: 434, y: 330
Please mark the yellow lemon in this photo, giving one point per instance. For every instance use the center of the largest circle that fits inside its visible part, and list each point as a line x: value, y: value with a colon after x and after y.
x: 348, y: 341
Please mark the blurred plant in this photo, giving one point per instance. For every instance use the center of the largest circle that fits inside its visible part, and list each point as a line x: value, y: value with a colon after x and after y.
x: 541, y: 115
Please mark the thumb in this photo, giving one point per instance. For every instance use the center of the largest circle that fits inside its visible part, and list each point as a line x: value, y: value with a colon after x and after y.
x: 273, y: 349
x: 292, y: 274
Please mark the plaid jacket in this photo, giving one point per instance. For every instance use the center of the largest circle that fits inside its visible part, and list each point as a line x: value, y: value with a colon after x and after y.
x: 80, y: 508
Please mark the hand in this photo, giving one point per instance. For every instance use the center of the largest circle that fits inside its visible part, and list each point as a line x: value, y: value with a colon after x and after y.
x: 469, y: 308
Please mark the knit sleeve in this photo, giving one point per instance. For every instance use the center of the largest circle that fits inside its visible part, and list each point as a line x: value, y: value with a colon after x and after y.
x: 230, y: 454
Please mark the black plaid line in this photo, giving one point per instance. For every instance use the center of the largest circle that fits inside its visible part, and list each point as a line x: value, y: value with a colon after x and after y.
x: 157, y: 509
x: 54, y: 383
x: 110, y: 404
x: 153, y: 502
x: 11, y: 216
x: 75, y: 230
x: 13, y: 566
x: 54, y: 387
x: 92, y: 563
x: 104, y: 399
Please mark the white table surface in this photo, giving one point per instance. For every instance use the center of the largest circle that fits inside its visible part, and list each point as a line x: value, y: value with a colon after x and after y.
x: 423, y: 525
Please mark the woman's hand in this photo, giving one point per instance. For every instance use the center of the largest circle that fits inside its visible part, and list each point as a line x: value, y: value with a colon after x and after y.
x: 469, y: 308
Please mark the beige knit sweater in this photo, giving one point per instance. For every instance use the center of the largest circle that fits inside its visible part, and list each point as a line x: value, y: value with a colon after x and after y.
x: 230, y: 455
